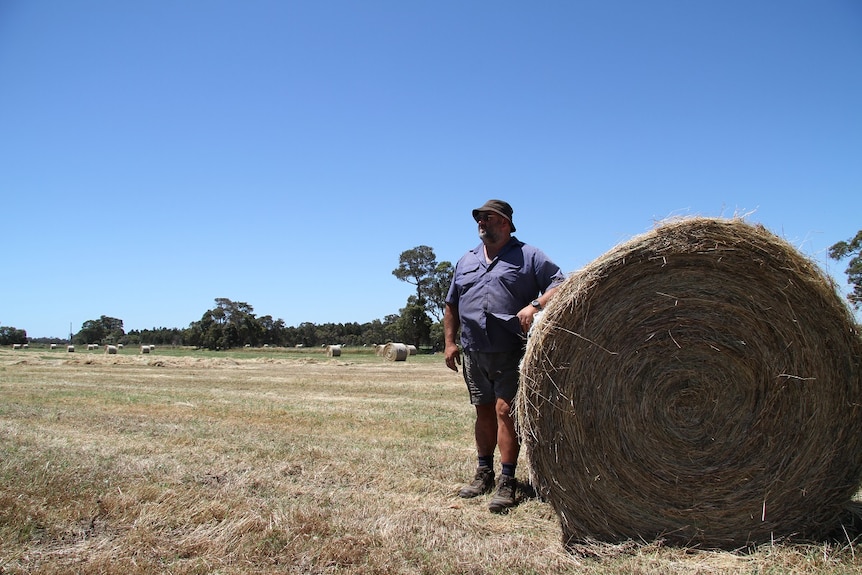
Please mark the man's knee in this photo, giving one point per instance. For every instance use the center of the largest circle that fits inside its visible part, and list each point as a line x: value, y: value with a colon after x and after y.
x: 503, y: 408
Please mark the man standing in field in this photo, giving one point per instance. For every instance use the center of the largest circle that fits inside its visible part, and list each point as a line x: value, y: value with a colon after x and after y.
x: 497, y: 289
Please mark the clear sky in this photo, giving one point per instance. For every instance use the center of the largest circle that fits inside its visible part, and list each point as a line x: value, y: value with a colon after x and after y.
x: 157, y: 155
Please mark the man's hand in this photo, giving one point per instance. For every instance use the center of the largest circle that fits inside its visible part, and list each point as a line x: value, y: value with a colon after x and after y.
x: 453, y: 356
x: 525, y: 317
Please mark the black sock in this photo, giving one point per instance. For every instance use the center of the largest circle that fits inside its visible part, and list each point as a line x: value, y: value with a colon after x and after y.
x: 509, y: 469
x: 486, y: 461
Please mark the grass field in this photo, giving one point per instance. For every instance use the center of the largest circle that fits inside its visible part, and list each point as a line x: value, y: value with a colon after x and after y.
x: 280, y: 461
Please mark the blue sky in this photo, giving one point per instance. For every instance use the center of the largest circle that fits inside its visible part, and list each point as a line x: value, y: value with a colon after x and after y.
x: 157, y: 155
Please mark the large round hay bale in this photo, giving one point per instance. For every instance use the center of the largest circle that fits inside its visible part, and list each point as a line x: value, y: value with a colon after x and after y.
x: 700, y: 383
x: 333, y: 351
x: 395, y: 352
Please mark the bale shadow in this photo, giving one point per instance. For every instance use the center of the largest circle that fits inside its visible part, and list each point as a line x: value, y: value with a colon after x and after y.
x: 849, y: 530
x: 847, y: 533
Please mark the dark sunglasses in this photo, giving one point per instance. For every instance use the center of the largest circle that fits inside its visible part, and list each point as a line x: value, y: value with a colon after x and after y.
x: 485, y: 217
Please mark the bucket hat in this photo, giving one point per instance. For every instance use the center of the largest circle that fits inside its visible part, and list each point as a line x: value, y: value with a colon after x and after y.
x: 498, y: 207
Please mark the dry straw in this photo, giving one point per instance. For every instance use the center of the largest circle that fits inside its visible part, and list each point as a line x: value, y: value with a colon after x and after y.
x: 700, y: 383
x: 396, y: 352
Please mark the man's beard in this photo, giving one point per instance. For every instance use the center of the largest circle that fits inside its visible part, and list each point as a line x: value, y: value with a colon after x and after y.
x: 488, y: 235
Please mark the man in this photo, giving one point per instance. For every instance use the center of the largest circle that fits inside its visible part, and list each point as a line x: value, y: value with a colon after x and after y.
x: 496, y: 291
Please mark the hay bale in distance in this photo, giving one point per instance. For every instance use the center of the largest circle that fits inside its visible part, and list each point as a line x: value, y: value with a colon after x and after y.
x: 701, y: 383
x: 333, y: 351
x: 395, y: 352
x: 411, y: 350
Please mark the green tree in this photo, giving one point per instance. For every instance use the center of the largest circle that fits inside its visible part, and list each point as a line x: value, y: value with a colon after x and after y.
x: 416, y: 266
x: 106, y: 329
x: 274, y: 332
x: 438, y: 287
x: 852, y: 249
x: 229, y: 324
x: 10, y: 335
x: 414, y: 325
x: 307, y: 334
x: 156, y: 336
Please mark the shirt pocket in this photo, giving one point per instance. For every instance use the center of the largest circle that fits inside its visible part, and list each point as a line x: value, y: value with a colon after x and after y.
x: 467, y: 277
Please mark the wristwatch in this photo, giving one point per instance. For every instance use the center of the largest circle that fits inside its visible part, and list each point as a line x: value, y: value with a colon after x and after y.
x: 535, y: 303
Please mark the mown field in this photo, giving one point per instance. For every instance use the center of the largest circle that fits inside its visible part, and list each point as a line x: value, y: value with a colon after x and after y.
x: 280, y: 461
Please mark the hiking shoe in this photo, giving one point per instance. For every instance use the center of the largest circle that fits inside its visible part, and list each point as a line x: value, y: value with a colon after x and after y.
x: 482, y: 483
x: 505, y: 496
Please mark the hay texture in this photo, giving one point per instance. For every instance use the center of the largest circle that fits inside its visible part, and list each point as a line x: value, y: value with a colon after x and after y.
x: 395, y: 352
x: 701, y: 384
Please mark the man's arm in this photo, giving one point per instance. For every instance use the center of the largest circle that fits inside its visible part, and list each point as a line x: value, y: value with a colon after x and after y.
x: 451, y: 323
x: 525, y: 316
x: 546, y: 297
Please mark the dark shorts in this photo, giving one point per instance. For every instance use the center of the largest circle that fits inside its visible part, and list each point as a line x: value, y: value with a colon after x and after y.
x: 492, y: 375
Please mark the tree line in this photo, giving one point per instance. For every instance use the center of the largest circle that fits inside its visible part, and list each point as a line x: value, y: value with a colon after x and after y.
x: 231, y: 324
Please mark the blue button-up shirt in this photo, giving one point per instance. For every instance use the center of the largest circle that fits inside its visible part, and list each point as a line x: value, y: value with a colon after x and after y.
x: 490, y: 295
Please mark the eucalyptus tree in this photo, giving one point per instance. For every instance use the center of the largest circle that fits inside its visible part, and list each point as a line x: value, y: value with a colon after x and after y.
x: 229, y: 324
x: 419, y: 266
x: 106, y: 329
x: 851, y: 248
